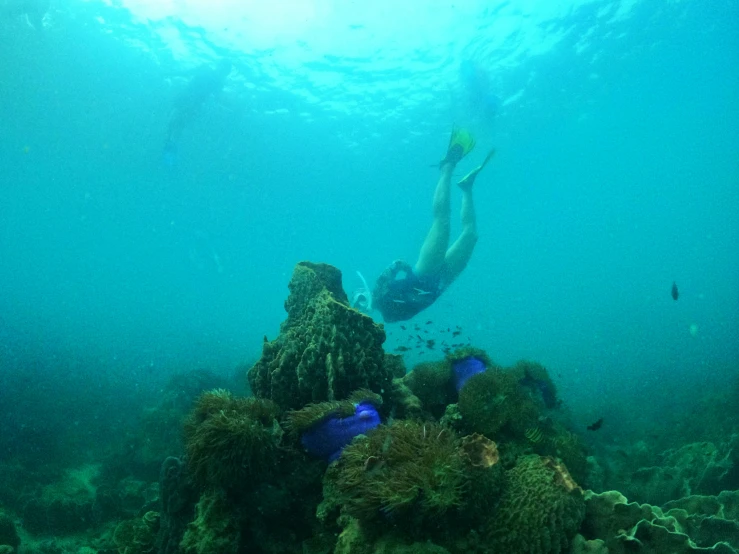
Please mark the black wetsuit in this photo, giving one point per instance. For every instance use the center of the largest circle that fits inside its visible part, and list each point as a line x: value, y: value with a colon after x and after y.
x: 400, y: 297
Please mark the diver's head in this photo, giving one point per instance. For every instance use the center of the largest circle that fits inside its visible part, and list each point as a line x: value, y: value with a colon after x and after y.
x: 362, y: 300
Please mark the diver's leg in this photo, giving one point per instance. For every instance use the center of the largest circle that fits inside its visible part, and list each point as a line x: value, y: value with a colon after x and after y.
x: 461, y: 251
x: 433, y: 251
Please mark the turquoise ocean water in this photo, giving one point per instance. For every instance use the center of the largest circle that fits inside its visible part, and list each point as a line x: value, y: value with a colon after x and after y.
x: 616, y: 126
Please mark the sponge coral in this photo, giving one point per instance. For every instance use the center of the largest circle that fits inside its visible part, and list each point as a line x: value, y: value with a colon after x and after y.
x: 230, y: 440
x: 540, y: 510
x: 325, y: 348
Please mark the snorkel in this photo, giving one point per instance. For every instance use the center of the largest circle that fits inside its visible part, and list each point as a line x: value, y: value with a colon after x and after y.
x: 362, y: 298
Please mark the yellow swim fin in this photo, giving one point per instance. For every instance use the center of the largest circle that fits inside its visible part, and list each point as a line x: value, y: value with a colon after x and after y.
x: 461, y: 143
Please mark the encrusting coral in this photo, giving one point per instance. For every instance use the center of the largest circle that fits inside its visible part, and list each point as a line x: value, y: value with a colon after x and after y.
x: 325, y: 349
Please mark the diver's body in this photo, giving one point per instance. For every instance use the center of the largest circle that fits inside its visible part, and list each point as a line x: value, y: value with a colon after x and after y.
x: 403, y: 291
x: 207, y: 81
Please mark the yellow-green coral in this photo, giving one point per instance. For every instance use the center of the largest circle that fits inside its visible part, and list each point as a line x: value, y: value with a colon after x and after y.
x: 230, y: 440
x: 469, y: 352
x: 325, y: 349
x: 540, y: 510
x: 432, y: 383
x: 214, y: 530
x: 406, y: 469
x: 137, y: 535
x: 493, y: 401
x: 535, y: 377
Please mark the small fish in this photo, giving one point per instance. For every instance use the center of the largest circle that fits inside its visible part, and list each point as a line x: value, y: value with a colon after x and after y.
x: 421, y: 292
x: 420, y: 338
x: 402, y: 327
x: 456, y: 333
x: 402, y: 349
x: 399, y: 301
x: 595, y: 426
x: 675, y: 293
x: 430, y: 344
x: 534, y: 434
x: 429, y: 322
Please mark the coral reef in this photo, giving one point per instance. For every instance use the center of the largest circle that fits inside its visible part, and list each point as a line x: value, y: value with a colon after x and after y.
x: 177, y: 505
x: 535, y: 377
x: 493, y: 402
x: 432, y: 383
x: 325, y: 349
x: 473, y: 458
x: 421, y: 477
x: 693, y: 524
x: 231, y: 440
x: 540, y: 510
x: 695, y: 468
x: 8, y: 533
x: 137, y: 535
x: 407, y: 470
x: 65, y: 506
x: 214, y: 530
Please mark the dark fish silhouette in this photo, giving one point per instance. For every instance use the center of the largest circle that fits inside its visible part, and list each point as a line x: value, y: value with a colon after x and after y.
x: 675, y: 292
x: 595, y: 426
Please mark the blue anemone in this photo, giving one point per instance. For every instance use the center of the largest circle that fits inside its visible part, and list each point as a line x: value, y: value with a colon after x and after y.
x: 466, y: 368
x: 327, y: 438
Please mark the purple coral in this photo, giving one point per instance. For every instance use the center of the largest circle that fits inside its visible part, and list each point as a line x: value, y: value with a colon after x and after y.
x: 466, y: 368
x: 327, y: 438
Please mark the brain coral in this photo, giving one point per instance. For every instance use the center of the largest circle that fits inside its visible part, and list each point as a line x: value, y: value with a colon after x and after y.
x: 540, y: 510
x: 325, y: 349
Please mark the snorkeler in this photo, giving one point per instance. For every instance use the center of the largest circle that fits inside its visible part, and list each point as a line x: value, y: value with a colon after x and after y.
x: 207, y: 81
x: 403, y: 291
x: 33, y: 10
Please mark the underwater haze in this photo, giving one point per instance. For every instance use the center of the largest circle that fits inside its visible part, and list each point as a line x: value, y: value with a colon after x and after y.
x: 135, y: 246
